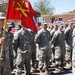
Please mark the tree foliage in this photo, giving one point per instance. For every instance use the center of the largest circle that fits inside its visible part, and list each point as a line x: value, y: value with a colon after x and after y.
x: 44, y: 7
x: 72, y: 11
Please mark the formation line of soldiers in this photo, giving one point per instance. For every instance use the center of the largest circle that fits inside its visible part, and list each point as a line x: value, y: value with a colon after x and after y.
x: 55, y: 45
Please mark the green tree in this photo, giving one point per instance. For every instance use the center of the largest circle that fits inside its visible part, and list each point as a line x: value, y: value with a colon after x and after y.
x: 44, y: 7
x: 72, y: 11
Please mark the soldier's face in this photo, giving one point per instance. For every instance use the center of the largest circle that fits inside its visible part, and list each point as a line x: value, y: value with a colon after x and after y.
x: 45, y: 26
x: 9, y: 28
x: 61, y: 27
x: 1, y: 22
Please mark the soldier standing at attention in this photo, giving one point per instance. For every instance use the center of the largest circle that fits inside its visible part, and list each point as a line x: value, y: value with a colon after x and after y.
x: 33, y: 50
x: 22, y: 40
x: 68, y: 44
x: 53, y: 51
x: 5, y: 68
x: 43, y: 38
x: 73, y: 53
x: 15, y: 47
x: 57, y: 42
x: 10, y: 40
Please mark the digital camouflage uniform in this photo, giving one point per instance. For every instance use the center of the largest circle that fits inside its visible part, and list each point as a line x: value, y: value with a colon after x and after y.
x: 53, y: 51
x: 33, y: 49
x: 58, y: 43
x: 43, y: 38
x: 23, y: 40
x: 5, y: 68
x: 73, y: 54
x: 10, y: 36
x: 68, y: 43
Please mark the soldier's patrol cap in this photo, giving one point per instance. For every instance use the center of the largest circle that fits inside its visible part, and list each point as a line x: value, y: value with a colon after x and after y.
x: 2, y: 15
x: 9, y: 24
x: 18, y: 26
x: 44, y: 23
x: 66, y: 23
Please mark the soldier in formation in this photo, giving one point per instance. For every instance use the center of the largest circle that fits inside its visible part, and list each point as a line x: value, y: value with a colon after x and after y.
x: 43, y: 38
x: 56, y: 45
x: 5, y: 52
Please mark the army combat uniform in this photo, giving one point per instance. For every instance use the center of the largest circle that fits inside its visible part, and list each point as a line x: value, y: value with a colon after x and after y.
x: 23, y: 40
x: 73, y: 54
x: 5, y: 64
x: 68, y: 43
x: 57, y: 42
x: 43, y: 38
x: 33, y: 49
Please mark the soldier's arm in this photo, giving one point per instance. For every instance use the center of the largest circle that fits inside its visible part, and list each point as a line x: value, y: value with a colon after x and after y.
x: 54, y: 38
x: 49, y: 36
x: 73, y: 33
x: 37, y: 37
x: 66, y: 33
x: 15, y: 44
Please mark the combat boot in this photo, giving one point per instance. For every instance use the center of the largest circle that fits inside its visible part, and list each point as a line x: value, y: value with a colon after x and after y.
x: 41, y: 73
x: 57, y: 69
x: 68, y: 65
x: 61, y: 68
x: 47, y: 72
x: 32, y: 69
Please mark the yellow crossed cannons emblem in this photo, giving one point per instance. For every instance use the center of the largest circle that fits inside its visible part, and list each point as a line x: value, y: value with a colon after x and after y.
x: 21, y: 9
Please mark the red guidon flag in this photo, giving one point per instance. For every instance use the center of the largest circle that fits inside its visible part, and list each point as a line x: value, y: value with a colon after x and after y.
x: 22, y: 10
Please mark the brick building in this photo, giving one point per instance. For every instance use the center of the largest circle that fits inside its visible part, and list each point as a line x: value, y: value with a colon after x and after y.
x: 66, y: 16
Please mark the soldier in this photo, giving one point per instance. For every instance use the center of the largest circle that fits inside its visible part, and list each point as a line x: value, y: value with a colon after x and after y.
x: 52, y: 33
x: 73, y: 54
x: 33, y: 50
x: 43, y: 38
x: 57, y: 42
x: 68, y: 44
x: 17, y: 27
x: 10, y: 40
x: 22, y: 40
x: 5, y: 68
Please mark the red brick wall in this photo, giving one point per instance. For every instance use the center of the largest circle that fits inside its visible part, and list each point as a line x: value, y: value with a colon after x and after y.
x: 65, y: 16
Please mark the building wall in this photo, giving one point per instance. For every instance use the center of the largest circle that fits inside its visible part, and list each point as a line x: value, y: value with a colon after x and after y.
x: 46, y: 17
x: 65, y: 17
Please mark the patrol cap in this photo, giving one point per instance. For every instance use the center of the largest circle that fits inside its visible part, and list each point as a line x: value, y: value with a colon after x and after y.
x: 69, y: 21
x: 18, y: 26
x: 44, y: 23
x: 9, y: 24
x: 2, y: 15
x: 66, y: 23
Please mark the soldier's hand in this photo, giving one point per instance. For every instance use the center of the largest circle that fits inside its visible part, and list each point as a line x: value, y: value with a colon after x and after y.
x: 52, y: 46
x: 2, y: 40
x: 1, y: 60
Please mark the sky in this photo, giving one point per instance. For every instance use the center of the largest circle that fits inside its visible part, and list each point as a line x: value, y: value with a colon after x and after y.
x: 61, y: 6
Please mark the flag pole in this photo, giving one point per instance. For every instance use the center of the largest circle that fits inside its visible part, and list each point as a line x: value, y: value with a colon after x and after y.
x: 4, y: 36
